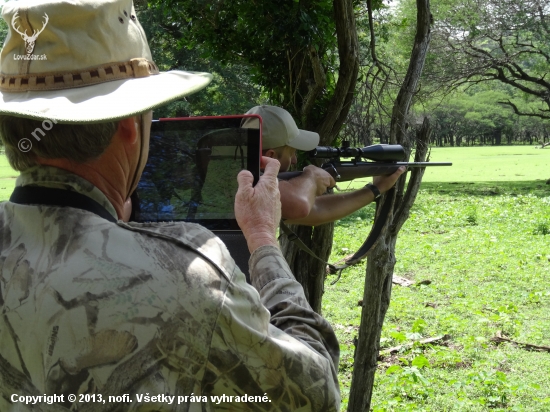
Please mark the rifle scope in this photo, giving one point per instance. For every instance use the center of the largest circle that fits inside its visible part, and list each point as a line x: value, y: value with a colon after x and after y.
x: 377, y: 152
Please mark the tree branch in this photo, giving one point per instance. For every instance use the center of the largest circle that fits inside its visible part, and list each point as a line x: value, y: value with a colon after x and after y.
x: 422, y: 145
x: 319, y: 82
x: 348, y: 49
x: 372, y: 36
x: 544, y: 115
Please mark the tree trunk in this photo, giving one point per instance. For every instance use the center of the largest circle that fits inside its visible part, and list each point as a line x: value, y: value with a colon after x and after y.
x: 381, y: 260
x: 309, y: 271
x: 497, y: 135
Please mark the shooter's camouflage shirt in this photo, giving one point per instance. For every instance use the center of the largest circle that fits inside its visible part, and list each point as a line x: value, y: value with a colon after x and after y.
x: 94, y: 307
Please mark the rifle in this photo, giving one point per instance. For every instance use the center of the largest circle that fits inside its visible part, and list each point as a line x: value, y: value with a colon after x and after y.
x: 385, y: 160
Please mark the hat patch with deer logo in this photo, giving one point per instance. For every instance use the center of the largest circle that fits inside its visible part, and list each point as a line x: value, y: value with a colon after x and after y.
x: 30, y: 41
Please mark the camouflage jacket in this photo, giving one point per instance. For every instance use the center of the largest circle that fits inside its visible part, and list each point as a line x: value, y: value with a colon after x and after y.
x: 149, y: 317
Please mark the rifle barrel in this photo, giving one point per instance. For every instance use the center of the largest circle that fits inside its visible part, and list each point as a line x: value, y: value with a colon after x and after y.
x: 349, y: 171
x: 421, y: 164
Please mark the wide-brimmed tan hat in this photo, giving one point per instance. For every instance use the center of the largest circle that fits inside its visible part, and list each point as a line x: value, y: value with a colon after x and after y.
x: 279, y: 129
x: 82, y: 61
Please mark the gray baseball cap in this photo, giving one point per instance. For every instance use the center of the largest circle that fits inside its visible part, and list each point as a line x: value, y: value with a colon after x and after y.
x: 279, y: 129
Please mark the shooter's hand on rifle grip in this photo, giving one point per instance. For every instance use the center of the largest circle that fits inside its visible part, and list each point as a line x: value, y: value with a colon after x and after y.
x: 322, y: 178
x: 385, y: 183
x: 258, y: 208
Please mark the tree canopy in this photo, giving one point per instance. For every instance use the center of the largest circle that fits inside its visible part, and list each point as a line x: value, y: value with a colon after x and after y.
x: 460, y: 90
x: 496, y: 40
x: 232, y: 91
x: 297, y: 51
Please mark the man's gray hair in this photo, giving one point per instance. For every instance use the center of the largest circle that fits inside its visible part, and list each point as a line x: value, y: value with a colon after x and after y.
x: 76, y: 142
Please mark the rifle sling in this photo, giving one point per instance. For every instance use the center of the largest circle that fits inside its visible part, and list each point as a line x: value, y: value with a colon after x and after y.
x: 378, y: 228
x: 293, y: 237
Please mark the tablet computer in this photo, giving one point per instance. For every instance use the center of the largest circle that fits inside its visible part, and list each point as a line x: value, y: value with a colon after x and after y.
x: 191, y: 172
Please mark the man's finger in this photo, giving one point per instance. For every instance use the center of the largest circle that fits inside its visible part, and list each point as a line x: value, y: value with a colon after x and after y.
x: 271, y: 168
x: 263, y: 161
x: 245, y: 178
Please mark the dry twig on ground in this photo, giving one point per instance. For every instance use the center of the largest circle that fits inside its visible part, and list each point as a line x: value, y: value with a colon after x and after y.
x: 498, y: 338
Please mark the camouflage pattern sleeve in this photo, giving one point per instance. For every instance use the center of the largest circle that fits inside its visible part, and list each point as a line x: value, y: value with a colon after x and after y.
x: 285, y: 299
x: 274, y: 343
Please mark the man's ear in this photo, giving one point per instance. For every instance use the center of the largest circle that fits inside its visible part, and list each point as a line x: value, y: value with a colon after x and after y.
x: 128, y: 129
x: 271, y: 153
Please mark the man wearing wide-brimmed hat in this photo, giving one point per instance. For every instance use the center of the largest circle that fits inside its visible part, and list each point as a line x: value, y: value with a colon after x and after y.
x: 103, y: 315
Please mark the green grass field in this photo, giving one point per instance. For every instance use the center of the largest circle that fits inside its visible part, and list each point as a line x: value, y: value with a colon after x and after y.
x: 7, y: 178
x: 479, y: 235
x: 489, y: 164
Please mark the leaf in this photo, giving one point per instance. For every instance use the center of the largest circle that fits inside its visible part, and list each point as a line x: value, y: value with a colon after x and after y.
x: 393, y: 369
x: 398, y: 336
x: 419, y: 325
x: 420, y: 362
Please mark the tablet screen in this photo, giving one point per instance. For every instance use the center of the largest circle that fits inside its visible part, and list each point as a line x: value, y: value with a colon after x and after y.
x: 191, y: 172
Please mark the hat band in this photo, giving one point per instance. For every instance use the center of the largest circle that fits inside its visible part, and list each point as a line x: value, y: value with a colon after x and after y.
x: 135, y: 68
